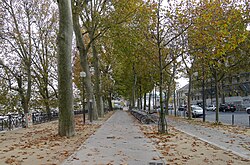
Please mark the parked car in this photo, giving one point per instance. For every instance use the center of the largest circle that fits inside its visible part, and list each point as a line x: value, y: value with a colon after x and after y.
x: 196, y: 111
x: 227, y: 107
x: 248, y: 110
x: 211, y: 108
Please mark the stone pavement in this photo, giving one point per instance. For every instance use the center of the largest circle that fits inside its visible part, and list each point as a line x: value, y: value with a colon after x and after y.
x: 118, y: 141
x: 229, y: 141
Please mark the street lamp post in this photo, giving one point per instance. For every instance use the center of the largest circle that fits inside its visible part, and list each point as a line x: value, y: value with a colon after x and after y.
x: 83, y: 75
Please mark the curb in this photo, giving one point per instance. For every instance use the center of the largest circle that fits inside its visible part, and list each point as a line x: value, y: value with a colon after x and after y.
x: 217, y: 145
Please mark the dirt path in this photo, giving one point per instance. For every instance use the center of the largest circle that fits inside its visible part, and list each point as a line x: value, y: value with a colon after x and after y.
x: 41, y: 145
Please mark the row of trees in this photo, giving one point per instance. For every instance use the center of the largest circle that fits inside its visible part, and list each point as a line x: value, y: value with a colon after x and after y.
x: 215, y: 42
x: 28, y: 40
x: 132, y: 46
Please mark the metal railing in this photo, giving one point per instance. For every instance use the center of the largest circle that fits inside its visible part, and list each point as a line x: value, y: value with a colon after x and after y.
x: 13, y: 121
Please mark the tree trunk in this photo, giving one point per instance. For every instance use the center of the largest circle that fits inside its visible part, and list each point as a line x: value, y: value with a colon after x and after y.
x: 175, y: 110
x: 85, y: 66
x: 211, y: 93
x: 168, y: 96
x: 145, y: 101
x: 47, y: 107
x: 45, y: 96
x: 154, y: 98
x: 216, y: 96
x: 110, y: 101
x: 149, y: 102
x: 140, y: 95
x: 189, y: 97
x: 97, y: 85
x: 138, y: 103
x: 134, y: 88
x: 222, y: 93
x: 65, y: 92
x: 162, y: 127
x: 163, y: 123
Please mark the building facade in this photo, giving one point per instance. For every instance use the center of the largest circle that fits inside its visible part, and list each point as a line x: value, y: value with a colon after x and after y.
x: 233, y: 89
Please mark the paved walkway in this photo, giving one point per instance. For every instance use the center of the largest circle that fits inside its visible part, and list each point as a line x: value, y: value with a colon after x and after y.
x: 117, y: 141
x: 236, y: 143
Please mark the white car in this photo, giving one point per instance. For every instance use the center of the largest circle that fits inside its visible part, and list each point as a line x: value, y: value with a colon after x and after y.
x: 196, y: 111
x: 248, y: 110
x: 211, y: 108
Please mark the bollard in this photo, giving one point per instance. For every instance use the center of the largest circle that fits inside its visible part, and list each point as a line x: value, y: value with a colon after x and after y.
x: 249, y: 121
x: 91, y: 111
x: 9, y: 122
x: 33, y: 118
x: 232, y: 119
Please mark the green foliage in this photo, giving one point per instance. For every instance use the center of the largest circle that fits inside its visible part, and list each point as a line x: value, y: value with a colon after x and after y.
x: 218, y: 28
x: 130, y: 48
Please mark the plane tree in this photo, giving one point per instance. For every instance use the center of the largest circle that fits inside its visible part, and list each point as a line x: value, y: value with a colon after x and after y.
x: 93, y: 19
x: 66, y: 126
x: 44, y: 41
x: 16, y: 36
x: 28, y: 52
x: 132, y: 72
x: 219, y: 27
x: 166, y: 32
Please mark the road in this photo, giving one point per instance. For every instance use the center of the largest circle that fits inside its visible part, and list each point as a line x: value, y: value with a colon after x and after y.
x: 240, y: 118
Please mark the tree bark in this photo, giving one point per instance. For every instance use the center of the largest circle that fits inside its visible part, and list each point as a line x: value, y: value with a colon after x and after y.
x: 145, y: 101
x: 85, y: 66
x: 140, y: 96
x: 97, y: 86
x: 66, y: 116
x: 149, y: 102
x: 110, y: 101
x: 134, y: 87
x: 175, y: 110
x: 169, y: 92
x: 216, y: 96
x: 189, y: 96
x: 162, y: 126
